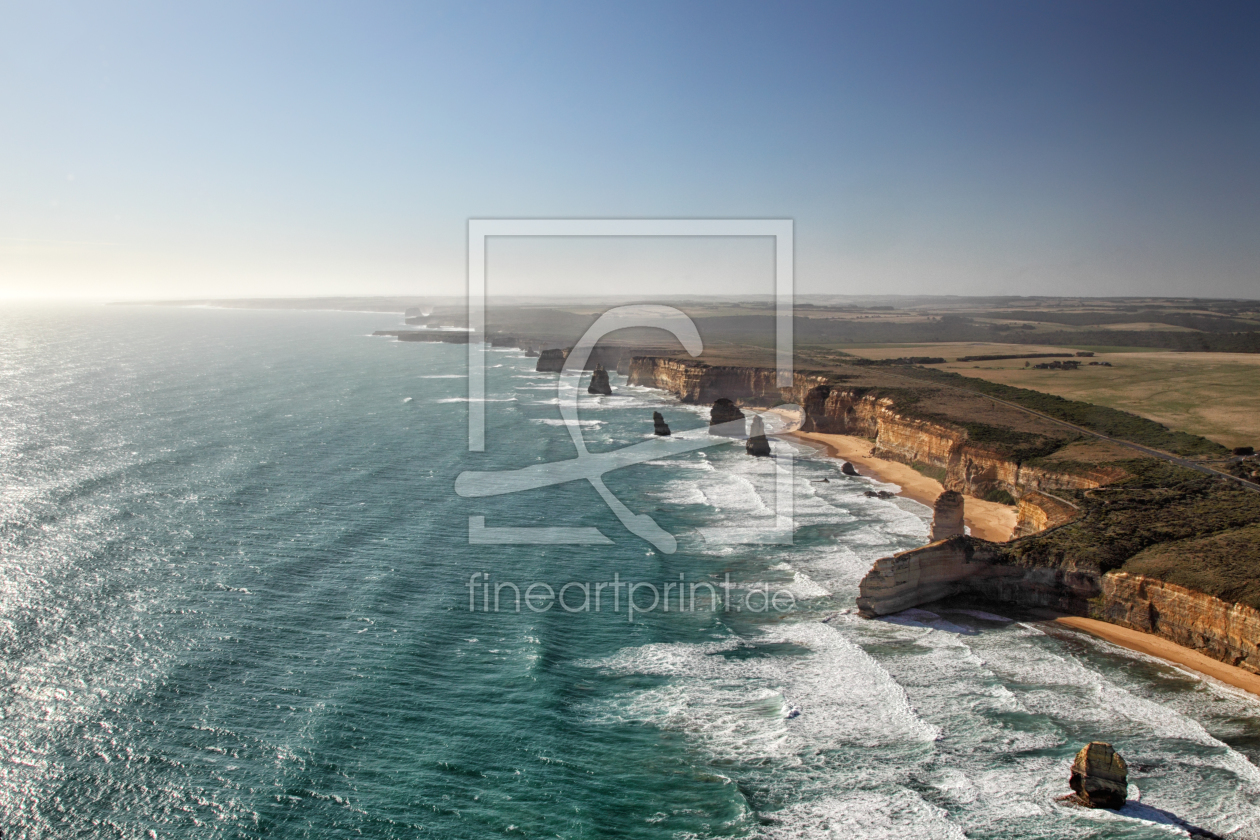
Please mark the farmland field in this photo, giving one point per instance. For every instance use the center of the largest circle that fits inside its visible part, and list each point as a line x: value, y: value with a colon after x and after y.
x: 1216, y: 395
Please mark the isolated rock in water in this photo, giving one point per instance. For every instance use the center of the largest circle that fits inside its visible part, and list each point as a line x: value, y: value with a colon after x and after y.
x: 757, y: 443
x: 1100, y: 778
x: 599, y: 382
x: 947, y: 519
x: 881, y: 494
x: 551, y: 361
x: 659, y: 426
x: 849, y: 469
x: 531, y: 354
x: 724, y: 411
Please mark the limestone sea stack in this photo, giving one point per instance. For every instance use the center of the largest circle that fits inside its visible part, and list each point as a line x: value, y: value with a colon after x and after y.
x: 849, y: 469
x: 551, y: 361
x: 659, y: 426
x: 599, y: 382
x: 757, y: 443
x: 724, y: 412
x: 947, y: 516
x: 1100, y: 776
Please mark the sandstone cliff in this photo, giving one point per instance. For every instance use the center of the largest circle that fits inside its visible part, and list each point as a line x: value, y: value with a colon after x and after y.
x: 551, y: 361
x: 1226, y: 631
x: 937, y: 570
x: 1223, y: 630
x: 947, y: 516
x: 962, y: 464
x: 1099, y: 777
x: 696, y: 382
x: 1040, y: 511
x: 973, y: 468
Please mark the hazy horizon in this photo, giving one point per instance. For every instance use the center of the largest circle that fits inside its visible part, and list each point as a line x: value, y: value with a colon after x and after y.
x: 969, y: 148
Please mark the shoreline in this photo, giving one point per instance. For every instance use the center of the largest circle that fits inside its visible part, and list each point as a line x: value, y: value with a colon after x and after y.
x: 925, y: 490
x: 987, y: 520
x: 1161, y: 648
x: 979, y: 516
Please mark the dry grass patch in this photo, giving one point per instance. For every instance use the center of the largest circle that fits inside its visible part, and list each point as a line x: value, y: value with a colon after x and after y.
x: 1216, y: 395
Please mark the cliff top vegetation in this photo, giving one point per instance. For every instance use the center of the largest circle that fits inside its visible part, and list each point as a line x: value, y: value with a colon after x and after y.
x: 1162, y: 521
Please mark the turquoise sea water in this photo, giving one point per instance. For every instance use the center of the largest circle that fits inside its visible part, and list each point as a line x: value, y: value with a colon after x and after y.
x: 235, y: 603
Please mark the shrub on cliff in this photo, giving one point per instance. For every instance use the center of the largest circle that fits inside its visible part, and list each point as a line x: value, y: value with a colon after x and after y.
x: 1163, y: 505
x: 999, y: 496
x: 1224, y: 565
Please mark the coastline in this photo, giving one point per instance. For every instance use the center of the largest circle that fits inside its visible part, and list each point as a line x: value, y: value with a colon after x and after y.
x: 996, y: 526
x: 1162, y: 648
x: 987, y: 520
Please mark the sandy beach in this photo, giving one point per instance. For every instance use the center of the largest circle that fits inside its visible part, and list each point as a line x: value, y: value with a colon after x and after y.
x: 995, y: 522
x: 1164, y: 649
x: 987, y: 520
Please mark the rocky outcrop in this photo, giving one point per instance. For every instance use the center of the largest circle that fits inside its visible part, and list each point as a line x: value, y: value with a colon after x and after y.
x: 1040, y: 511
x: 1100, y: 777
x: 551, y: 361
x: 726, y: 419
x: 1221, y: 629
x: 935, y: 571
x: 659, y: 426
x: 970, y: 566
x: 599, y: 382
x: 849, y: 469
x: 757, y: 444
x: 1224, y: 630
x: 531, y: 354
x: 947, y: 516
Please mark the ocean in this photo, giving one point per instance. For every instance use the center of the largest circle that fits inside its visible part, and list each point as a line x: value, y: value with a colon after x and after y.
x: 239, y: 600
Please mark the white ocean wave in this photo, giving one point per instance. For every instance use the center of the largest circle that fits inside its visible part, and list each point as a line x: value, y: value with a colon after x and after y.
x: 583, y: 423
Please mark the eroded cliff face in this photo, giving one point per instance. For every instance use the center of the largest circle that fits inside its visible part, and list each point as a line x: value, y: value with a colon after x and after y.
x: 1225, y: 631
x: 937, y: 570
x: 971, y: 468
x: 965, y: 565
x: 1039, y: 511
x: 966, y: 466
x: 551, y: 361
x: 696, y: 382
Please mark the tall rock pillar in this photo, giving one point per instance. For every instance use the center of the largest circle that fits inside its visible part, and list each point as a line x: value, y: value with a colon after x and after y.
x: 947, y: 516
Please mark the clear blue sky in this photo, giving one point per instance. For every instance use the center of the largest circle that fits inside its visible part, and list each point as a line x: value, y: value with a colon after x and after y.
x: 179, y: 149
